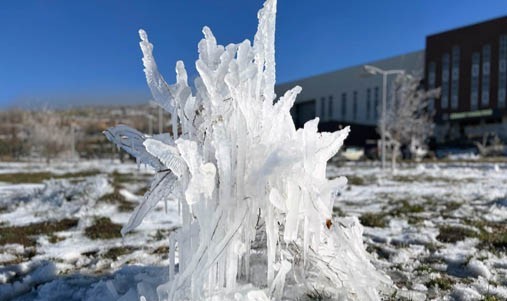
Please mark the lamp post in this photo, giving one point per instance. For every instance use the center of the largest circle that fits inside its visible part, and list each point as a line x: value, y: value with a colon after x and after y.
x: 374, y: 71
x: 160, y: 120
x: 154, y: 105
x: 150, y: 123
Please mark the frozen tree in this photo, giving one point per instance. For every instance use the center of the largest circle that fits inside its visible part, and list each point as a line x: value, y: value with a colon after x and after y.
x: 48, y: 133
x: 408, y: 118
x: 255, y: 204
x: 13, y: 142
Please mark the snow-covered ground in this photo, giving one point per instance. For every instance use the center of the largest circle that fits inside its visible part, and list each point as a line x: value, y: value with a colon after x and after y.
x: 438, y: 230
x: 61, y: 236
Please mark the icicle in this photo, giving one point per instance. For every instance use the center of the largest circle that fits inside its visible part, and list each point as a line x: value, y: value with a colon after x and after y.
x: 251, y: 189
x: 172, y: 253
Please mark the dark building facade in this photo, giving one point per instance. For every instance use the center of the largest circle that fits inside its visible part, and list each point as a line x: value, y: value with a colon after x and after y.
x: 469, y: 64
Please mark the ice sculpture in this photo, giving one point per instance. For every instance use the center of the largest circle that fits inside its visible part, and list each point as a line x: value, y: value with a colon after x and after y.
x: 256, y: 207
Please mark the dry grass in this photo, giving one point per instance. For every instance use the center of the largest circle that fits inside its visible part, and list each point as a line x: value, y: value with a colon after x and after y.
x: 39, y: 177
x: 117, y: 198
x: 103, y: 228
x: 27, y: 235
x: 374, y: 220
x: 116, y: 252
x: 452, y: 234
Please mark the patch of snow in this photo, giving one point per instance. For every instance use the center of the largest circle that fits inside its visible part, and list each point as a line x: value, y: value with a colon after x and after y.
x: 478, y: 268
x: 40, y: 274
x: 465, y: 293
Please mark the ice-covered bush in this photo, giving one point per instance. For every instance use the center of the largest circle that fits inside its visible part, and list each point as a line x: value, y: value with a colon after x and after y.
x: 409, y: 117
x: 255, y: 204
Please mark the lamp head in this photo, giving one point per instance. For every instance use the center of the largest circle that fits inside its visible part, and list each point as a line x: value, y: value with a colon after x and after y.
x: 370, y: 69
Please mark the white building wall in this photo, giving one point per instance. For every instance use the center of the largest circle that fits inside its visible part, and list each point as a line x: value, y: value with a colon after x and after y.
x: 348, y: 80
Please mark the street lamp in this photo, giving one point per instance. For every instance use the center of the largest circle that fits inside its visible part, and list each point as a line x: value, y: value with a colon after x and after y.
x: 155, y: 105
x: 150, y: 123
x: 374, y: 71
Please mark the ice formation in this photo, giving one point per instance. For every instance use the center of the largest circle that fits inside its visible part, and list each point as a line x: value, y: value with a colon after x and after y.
x: 255, y: 204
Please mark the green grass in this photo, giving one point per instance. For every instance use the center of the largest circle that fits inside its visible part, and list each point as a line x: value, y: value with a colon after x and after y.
x: 374, y: 220
x: 401, y: 208
x: 423, y: 268
x: 406, y: 208
x: 452, y: 234
x: 495, y: 239
x: 492, y: 235
x: 444, y: 283
x: 490, y: 298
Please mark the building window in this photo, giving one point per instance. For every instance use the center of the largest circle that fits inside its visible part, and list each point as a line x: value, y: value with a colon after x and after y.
x: 431, y: 83
x: 330, y: 105
x: 444, y: 99
x: 502, y: 71
x: 376, y: 102
x: 344, y: 105
x: 354, y: 105
x: 474, y: 81
x: 322, y: 108
x: 486, y: 57
x: 368, y: 103
x: 455, y: 77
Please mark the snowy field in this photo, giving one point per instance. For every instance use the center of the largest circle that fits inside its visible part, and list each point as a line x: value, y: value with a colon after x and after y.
x: 438, y: 230
x: 65, y: 232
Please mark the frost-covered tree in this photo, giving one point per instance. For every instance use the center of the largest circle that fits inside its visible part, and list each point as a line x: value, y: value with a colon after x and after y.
x: 255, y: 204
x: 48, y: 134
x: 408, y: 118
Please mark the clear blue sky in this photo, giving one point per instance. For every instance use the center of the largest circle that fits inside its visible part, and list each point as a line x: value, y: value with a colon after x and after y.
x: 88, y: 51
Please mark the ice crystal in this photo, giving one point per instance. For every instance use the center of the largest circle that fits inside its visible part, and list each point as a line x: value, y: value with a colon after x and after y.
x: 256, y: 207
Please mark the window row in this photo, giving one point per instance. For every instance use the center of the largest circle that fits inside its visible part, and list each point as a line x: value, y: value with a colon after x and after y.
x: 480, y: 77
x: 372, y: 99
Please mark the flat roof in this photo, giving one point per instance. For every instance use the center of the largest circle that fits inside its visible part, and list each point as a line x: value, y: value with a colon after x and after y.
x: 468, y: 27
x: 352, y: 67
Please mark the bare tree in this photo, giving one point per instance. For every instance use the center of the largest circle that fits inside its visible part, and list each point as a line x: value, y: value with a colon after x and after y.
x: 12, y: 135
x: 408, y: 119
x: 48, y: 133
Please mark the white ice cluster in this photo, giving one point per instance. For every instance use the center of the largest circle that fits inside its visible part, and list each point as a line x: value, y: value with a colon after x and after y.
x: 255, y: 204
